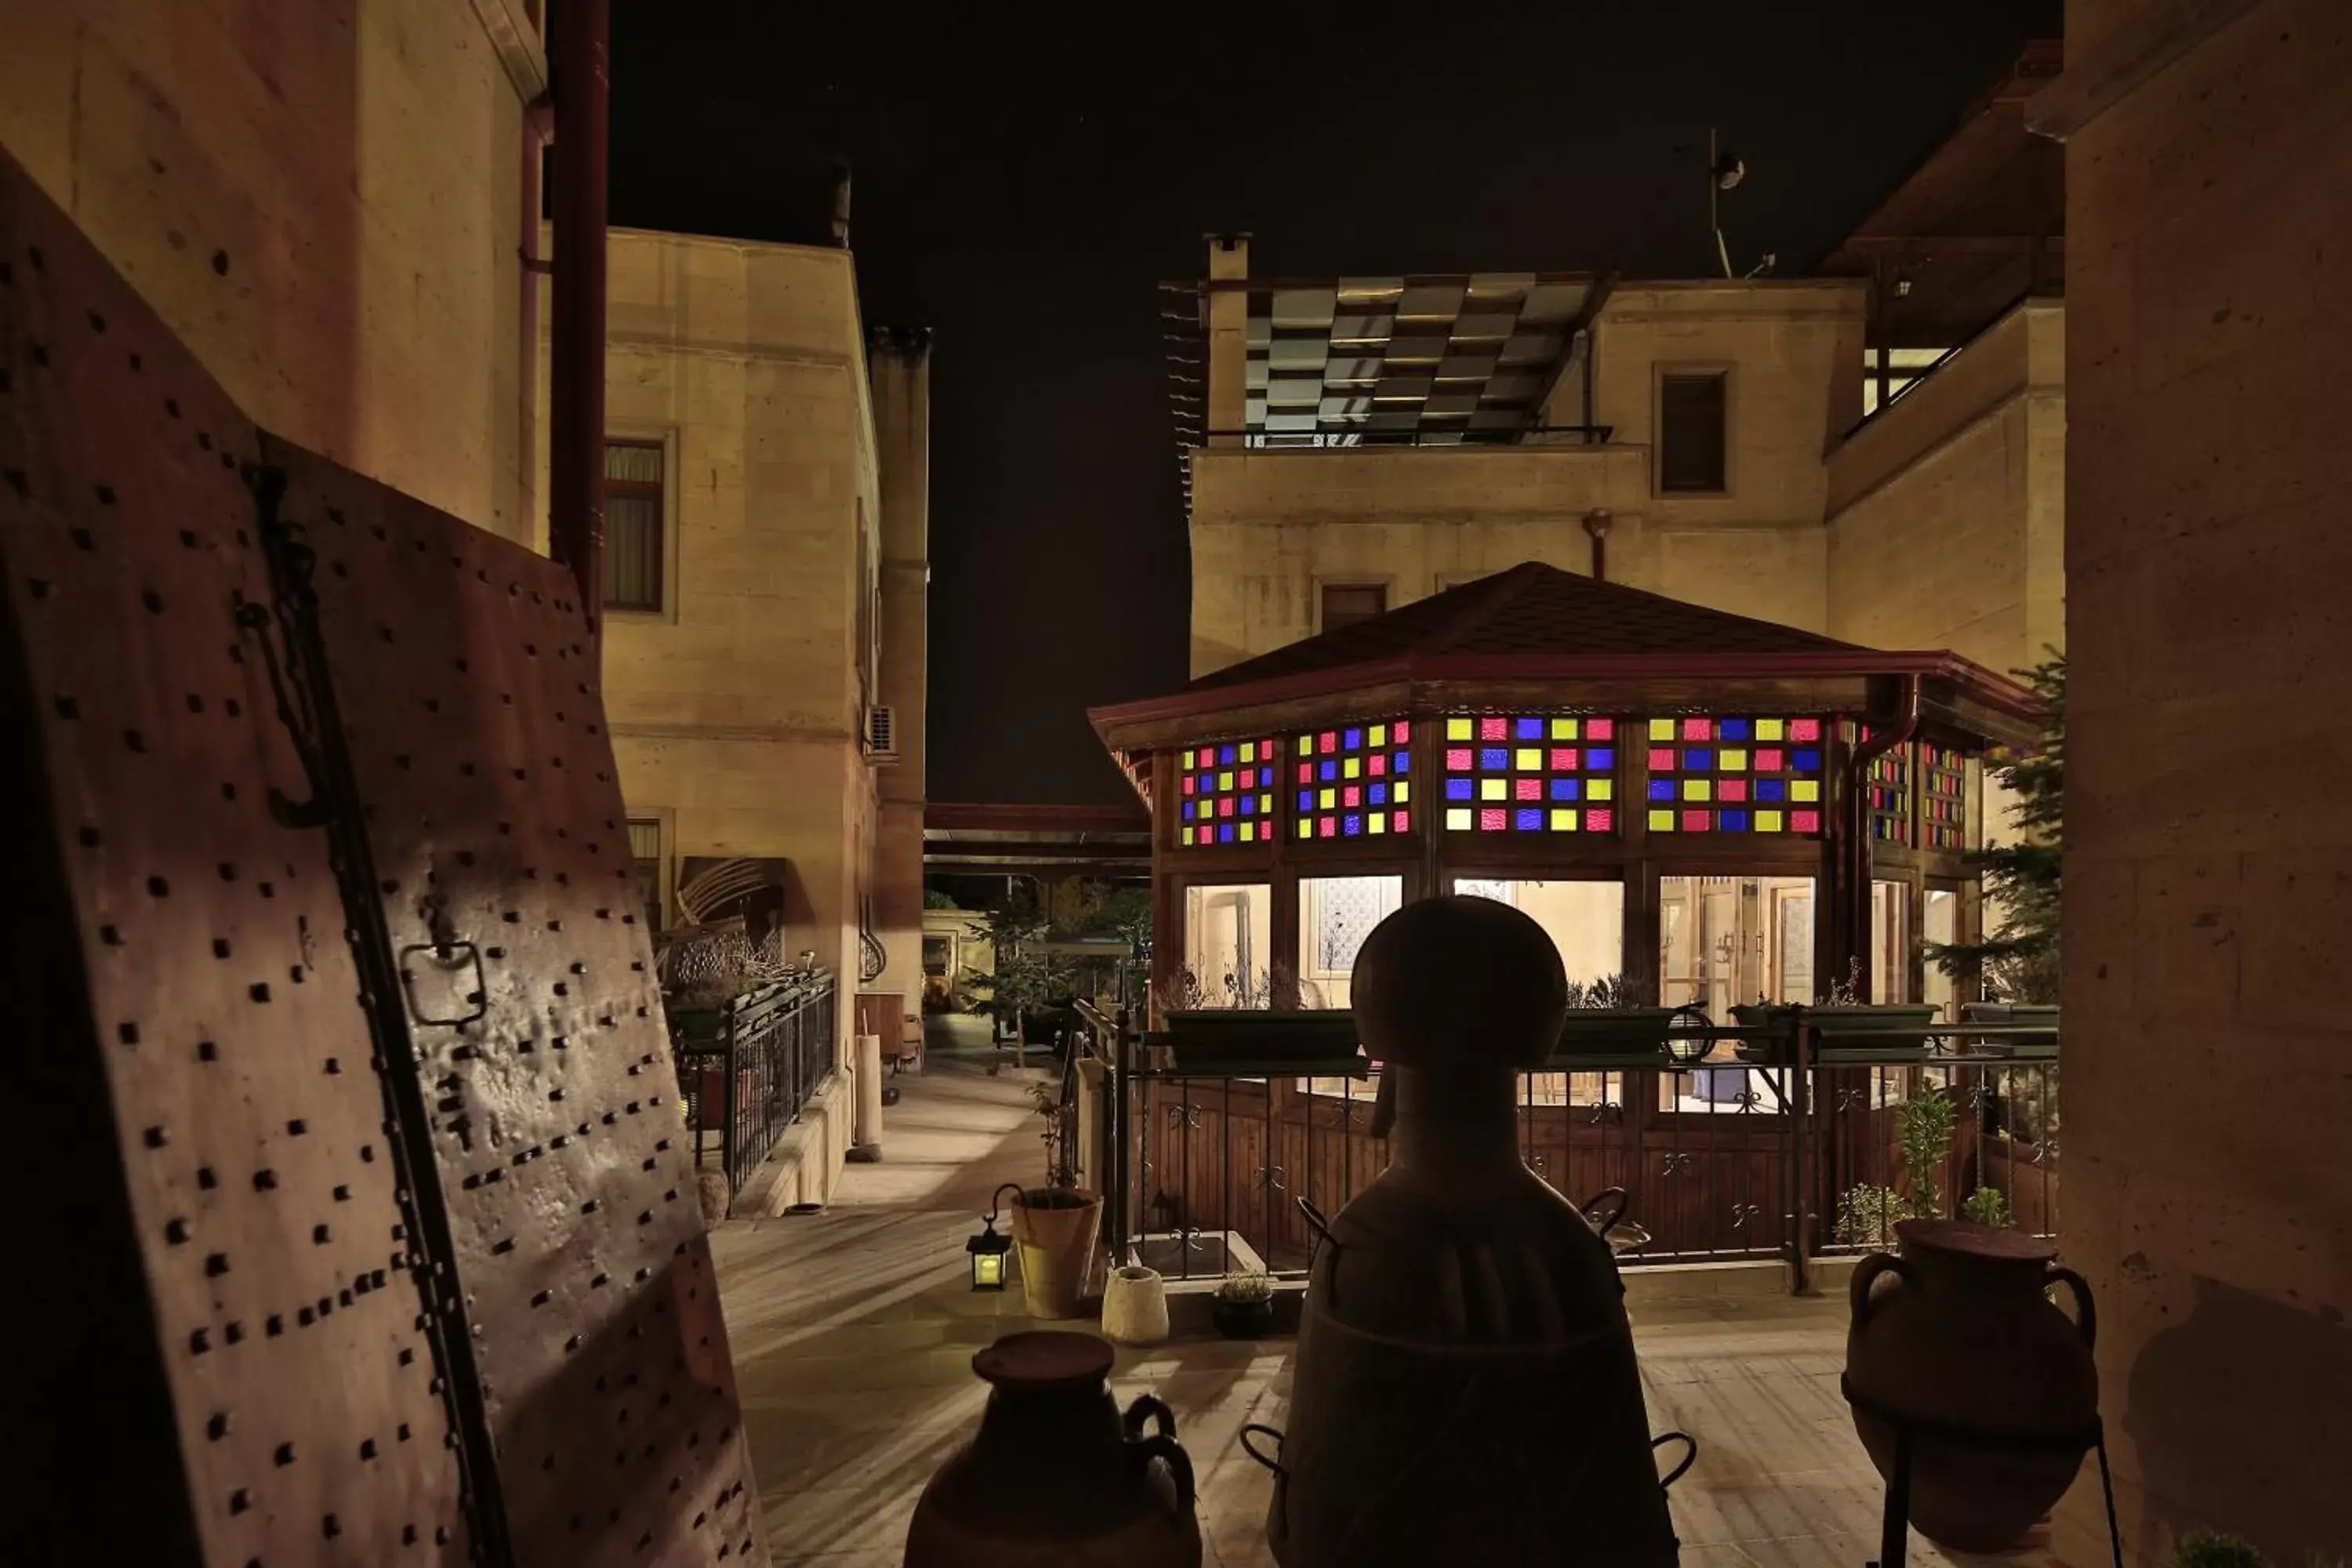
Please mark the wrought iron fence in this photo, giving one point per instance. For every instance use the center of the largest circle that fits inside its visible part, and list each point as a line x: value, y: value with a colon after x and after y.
x: 1793, y: 1154
x: 748, y: 1069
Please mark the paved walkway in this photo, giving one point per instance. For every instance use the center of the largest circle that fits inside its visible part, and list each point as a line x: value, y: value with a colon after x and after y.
x: 854, y: 1330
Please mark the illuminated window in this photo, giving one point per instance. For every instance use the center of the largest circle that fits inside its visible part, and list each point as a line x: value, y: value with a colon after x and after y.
x: 1531, y: 774
x: 633, y: 525
x: 1353, y: 781
x: 1890, y: 792
x: 1944, y: 803
x: 1735, y: 776
x: 1227, y: 790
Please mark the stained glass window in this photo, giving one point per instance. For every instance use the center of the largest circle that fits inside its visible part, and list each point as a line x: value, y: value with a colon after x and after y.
x: 1944, y: 798
x: 1735, y: 776
x: 1531, y: 774
x: 1890, y: 792
x: 1353, y: 781
x: 1227, y: 793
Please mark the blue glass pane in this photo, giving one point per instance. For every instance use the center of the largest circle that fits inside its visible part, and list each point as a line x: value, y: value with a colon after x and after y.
x: 1249, y: 805
x: 1698, y: 762
x: 1529, y: 729
x: 1329, y: 770
x: 1188, y: 811
x: 1495, y: 758
x: 1352, y: 826
x: 1226, y: 753
x: 1401, y: 765
x: 1808, y: 761
x: 1378, y: 794
x: 1528, y: 819
x: 1351, y: 739
x: 1567, y: 789
x: 1599, y: 759
x: 1731, y: 821
x: 1459, y: 789
x: 1662, y: 789
x: 1225, y: 833
x: 1732, y: 730
x: 1771, y: 789
x: 1307, y: 800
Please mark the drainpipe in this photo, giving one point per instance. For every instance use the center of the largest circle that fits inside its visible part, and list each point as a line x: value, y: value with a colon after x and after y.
x: 1854, y: 823
x: 1596, y: 527
x: 583, y: 90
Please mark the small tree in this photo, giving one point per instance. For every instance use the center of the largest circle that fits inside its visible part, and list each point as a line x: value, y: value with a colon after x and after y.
x: 2018, y: 961
x: 1024, y: 977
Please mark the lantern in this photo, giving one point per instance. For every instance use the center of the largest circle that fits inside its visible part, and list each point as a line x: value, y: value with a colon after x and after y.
x: 988, y: 1249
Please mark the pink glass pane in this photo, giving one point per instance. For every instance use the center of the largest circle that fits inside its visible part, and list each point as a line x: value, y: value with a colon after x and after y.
x: 1526, y: 789
x: 1351, y: 797
x: 1771, y: 762
x: 1188, y: 784
x: 1805, y: 822
x: 1698, y: 729
x: 1458, y: 759
x: 1600, y: 729
x: 1307, y: 772
x: 1660, y: 761
x: 1494, y: 728
x: 1327, y: 742
x: 1804, y: 728
x: 1599, y: 821
x: 1563, y: 758
x: 1400, y: 821
x: 1697, y: 820
x: 1327, y: 828
x: 1492, y: 820
x: 1377, y: 764
x: 1402, y: 732
x: 1731, y: 789
x: 1225, y: 806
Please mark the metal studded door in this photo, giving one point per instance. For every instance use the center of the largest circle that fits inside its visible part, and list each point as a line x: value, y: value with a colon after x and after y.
x: 370, y: 1023
x: 305, y: 1416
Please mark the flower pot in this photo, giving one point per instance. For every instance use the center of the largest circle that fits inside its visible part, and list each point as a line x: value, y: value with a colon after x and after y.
x: 1055, y: 1477
x: 1998, y: 1386
x: 1135, y: 1306
x: 1892, y: 1029
x: 1242, y: 1320
x: 2012, y: 1014
x: 1215, y: 1041
x: 1614, y: 1032
x: 1055, y: 1227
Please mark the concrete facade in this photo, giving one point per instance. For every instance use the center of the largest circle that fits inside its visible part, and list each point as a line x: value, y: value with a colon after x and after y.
x: 2208, y: 860
x: 902, y: 421
x: 737, y: 709
x: 357, y: 176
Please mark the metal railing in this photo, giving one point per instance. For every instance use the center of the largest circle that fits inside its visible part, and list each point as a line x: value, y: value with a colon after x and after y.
x: 747, y: 1070
x: 1770, y: 1147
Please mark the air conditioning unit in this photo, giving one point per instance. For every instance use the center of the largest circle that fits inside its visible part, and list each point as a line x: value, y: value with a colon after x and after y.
x: 881, y: 734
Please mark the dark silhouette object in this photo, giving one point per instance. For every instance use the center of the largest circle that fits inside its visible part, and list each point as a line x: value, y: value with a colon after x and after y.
x: 1055, y: 1476
x: 1996, y: 1385
x: 1464, y: 1387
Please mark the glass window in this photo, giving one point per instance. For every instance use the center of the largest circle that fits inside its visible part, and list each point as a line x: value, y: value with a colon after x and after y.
x: 1226, y: 793
x: 1586, y: 921
x: 1335, y: 915
x: 633, y: 525
x: 1353, y: 781
x: 1940, y: 927
x: 1735, y: 774
x: 1691, y: 409
x: 1228, y: 945
x: 1724, y: 941
x: 1344, y: 604
x: 1890, y: 942
x: 1531, y: 774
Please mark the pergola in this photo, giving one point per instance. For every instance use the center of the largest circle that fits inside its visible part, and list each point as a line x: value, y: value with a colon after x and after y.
x: 1539, y: 728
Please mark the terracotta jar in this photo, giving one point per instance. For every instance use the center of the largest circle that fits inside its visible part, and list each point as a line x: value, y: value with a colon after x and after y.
x: 1998, y: 1386
x: 1055, y: 1476
x: 1464, y: 1388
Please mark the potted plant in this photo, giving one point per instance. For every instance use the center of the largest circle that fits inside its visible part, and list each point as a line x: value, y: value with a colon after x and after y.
x: 1221, y: 1028
x: 1602, y: 1021
x: 1842, y: 1025
x: 1242, y: 1307
x: 2202, y: 1549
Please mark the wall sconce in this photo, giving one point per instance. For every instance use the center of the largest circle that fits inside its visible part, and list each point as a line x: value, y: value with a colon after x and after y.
x: 988, y: 1248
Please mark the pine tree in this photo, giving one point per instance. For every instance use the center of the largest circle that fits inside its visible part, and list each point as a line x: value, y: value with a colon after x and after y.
x: 2018, y: 961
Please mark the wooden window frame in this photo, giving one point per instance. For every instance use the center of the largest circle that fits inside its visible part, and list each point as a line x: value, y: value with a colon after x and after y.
x: 665, y: 497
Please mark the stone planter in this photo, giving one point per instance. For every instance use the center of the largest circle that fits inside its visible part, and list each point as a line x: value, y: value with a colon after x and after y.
x: 1135, y: 1306
x: 1998, y: 1386
x: 1217, y: 1041
x: 1055, y: 1476
x: 1054, y: 1229
x: 1893, y: 1030
x: 1614, y: 1032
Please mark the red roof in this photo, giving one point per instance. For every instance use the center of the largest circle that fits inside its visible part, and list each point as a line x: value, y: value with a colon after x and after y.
x: 1530, y: 609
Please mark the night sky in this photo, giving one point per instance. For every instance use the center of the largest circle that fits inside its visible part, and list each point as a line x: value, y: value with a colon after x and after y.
x: 1020, y: 187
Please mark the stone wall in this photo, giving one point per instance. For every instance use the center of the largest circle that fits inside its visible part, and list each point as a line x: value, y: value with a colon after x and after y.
x: 324, y: 200
x: 735, y: 708
x: 2208, y: 878
x: 902, y: 419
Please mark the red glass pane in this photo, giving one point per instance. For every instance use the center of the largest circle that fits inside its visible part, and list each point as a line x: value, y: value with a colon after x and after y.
x: 1731, y: 789
x: 1188, y: 784
x: 1770, y: 761
x: 1377, y: 764
x: 1401, y: 732
x: 1526, y: 789
x: 1804, y: 822
x: 1698, y: 729
x: 1307, y: 772
x: 1402, y: 822
x: 1351, y: 797
x: 1493, y: 820
x: 1327, y: 742
x: 1662, y: 761
x: 1458, y: 759
x: 1600, y: 729
x: 1601, y: 822
x: 1697, y: 820
x: 1225, y: 806
x: 1563, y: 758
x: 1804, y: 728
x: 1494, y: 728
x: 1327, y: 828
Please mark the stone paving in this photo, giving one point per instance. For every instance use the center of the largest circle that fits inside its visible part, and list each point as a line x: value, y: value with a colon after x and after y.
x: 854, y: 1330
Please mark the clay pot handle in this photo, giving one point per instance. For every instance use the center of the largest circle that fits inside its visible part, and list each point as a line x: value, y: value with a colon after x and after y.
x: 1160, y: 1446
x: 2086, y: 1317
x: 1624, y: 1201
x: 1255, y: 1428
x: 1149, y: 1409
x: 1690, y: 1455
x: 1866, y: 1274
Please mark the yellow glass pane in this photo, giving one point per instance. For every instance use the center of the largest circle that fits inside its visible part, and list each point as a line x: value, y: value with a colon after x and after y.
x: 1563, y: 821
x: 1461, y: 730
x: 1600, y: 789
x: 1352, y: 767
x: 1662, y: 822
x: 1732, y: 761
x: 1403, y: 792
x: 1563, y: 729
x: 1377, y: 823
x: 1379, y: 736
x: 1224, y: 781
x: 1698, y: 789
x: 1494, y: 789
x: 1529, y: 759
x: 1328, y: 798
x: 1249, y: 832
x: 1771, y: 729
x: 1188, y: 762
x: 1305, y: 829
x: 1457, y: 818
x: 1306, y: 745
x: 1266, y: 805
x: 1662, y: 729
x: 1805, y: 789
x: 1767, y: 822
x: 1249, y: 750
